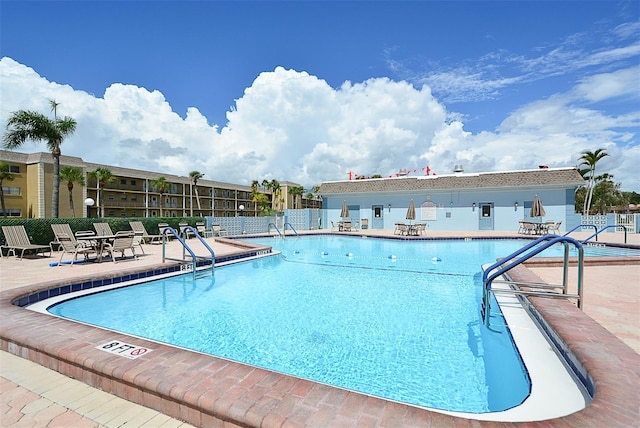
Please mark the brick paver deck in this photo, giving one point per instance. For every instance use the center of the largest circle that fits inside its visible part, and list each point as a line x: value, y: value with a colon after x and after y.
x: 207, y: 391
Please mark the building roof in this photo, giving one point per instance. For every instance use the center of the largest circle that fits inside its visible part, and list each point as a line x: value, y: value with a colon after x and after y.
x: 562, y: 177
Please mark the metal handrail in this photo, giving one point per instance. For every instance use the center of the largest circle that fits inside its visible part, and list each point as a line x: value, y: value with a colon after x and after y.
x: 580, y: 226
x: 528, y: 251
x: 185, y: 247
x: 605, y: 228
x: 275, y: 227
x: 292, y: 228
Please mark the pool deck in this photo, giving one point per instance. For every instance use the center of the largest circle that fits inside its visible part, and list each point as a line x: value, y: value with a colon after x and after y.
x: 169, y: 385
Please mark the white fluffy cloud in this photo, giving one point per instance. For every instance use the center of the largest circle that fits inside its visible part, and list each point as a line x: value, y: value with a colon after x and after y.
x: 293, y: 126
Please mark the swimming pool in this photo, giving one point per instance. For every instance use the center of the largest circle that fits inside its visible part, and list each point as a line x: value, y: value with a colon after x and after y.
x: 406, y: 311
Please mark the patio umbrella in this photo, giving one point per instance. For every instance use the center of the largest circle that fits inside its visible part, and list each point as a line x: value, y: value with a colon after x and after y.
x: 537, y: 210
x: 345, y: 210
x: 411, y: 211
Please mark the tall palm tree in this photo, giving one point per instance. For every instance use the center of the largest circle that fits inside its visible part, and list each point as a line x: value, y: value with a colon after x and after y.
x: 275, y: 193
x: 589, y: 161
x: 195, y: 176
x: 103, y: 176
x: 5, y: 174
x: 26, y: 125
x: 254, y: 195
x: 296, y: 192
x: 161, y: 185
x: 72, y: 175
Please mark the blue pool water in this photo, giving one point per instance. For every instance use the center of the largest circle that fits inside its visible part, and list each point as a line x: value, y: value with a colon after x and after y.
x: 399, y: 320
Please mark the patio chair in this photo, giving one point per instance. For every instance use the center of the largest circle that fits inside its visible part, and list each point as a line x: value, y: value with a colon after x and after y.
x: 69, y: 245
x: 521, y: 227
x: 102, y: 229
x: 420, y: 229
x: 17, y: 239
x: 334, y: 227
x: 138, y: 227
x: 59, y: 229
x: 124, y: 240
x: 529, y: 228
x: 401, y: 229
x: 554, y: 227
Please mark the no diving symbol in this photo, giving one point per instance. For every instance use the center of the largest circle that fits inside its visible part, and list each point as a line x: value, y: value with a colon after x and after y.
x: 123, y: 349
x: 139, y: 351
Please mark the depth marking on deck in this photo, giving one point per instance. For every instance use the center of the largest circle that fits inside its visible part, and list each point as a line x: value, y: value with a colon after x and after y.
x: 124, y: 349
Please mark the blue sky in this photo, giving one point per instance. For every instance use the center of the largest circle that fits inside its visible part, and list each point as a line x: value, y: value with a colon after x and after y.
x: 307, y: 91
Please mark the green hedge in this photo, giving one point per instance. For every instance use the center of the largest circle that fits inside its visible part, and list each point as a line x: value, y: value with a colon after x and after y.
x: 39, y: 229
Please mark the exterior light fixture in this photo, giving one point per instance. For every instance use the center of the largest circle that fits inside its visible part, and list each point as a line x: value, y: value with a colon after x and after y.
x: 389, y: 206
x: 515, y: 206
x: 89, y: 202
x: 473, y: 206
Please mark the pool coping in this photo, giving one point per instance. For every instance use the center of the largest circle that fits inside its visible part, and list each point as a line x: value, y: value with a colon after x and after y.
x: 205, y: 390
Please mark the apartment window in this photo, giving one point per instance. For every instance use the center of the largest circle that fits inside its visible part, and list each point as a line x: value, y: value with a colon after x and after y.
x: 111, y: 198
x: 134, y: 183
x: 134, y: 198
x: 11, y: 212
x: 123, y: 181
x: 123, y: 197
x: 11, y: 190
x: 14, y: 169
x: 111, y: 213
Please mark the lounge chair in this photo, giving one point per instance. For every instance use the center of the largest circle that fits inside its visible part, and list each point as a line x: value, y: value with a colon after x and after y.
x: 184, y: 232
x: 162, y: 227
x: 124, y: 240
x: 203, y: 231
x: 17, y: 239
x: 334, y: 227
x: 69, y: 245
x: 138, y: 228
x: 218, y: 230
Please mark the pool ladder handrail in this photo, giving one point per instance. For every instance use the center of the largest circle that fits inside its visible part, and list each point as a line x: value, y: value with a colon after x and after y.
x: 502, y: 266
x: 292, y: 228
x: 275, y: 227
x: 186, y: 247
x: 598, y: 232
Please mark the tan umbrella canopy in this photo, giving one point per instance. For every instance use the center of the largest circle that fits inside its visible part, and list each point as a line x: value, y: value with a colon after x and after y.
x: 537, y: 210
x: 411, y: 211
x: 345, y: 210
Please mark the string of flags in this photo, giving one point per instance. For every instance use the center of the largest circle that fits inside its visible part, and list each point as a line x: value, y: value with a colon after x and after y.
x: 403, y: 172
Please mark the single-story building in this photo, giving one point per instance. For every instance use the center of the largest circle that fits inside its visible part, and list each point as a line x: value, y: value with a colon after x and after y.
x: 459, y: 201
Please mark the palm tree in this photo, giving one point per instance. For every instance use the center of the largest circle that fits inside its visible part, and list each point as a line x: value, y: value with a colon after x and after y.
x: 254, y: 195
x: 72, y: 175
x: 26, y: 125
x: 103, y: 176
x: 589, y: 161
x: 161, y: 185
x: 195, y: 176
x: 274, y: 185
x: 296, y: 191
x: 5, y: 174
